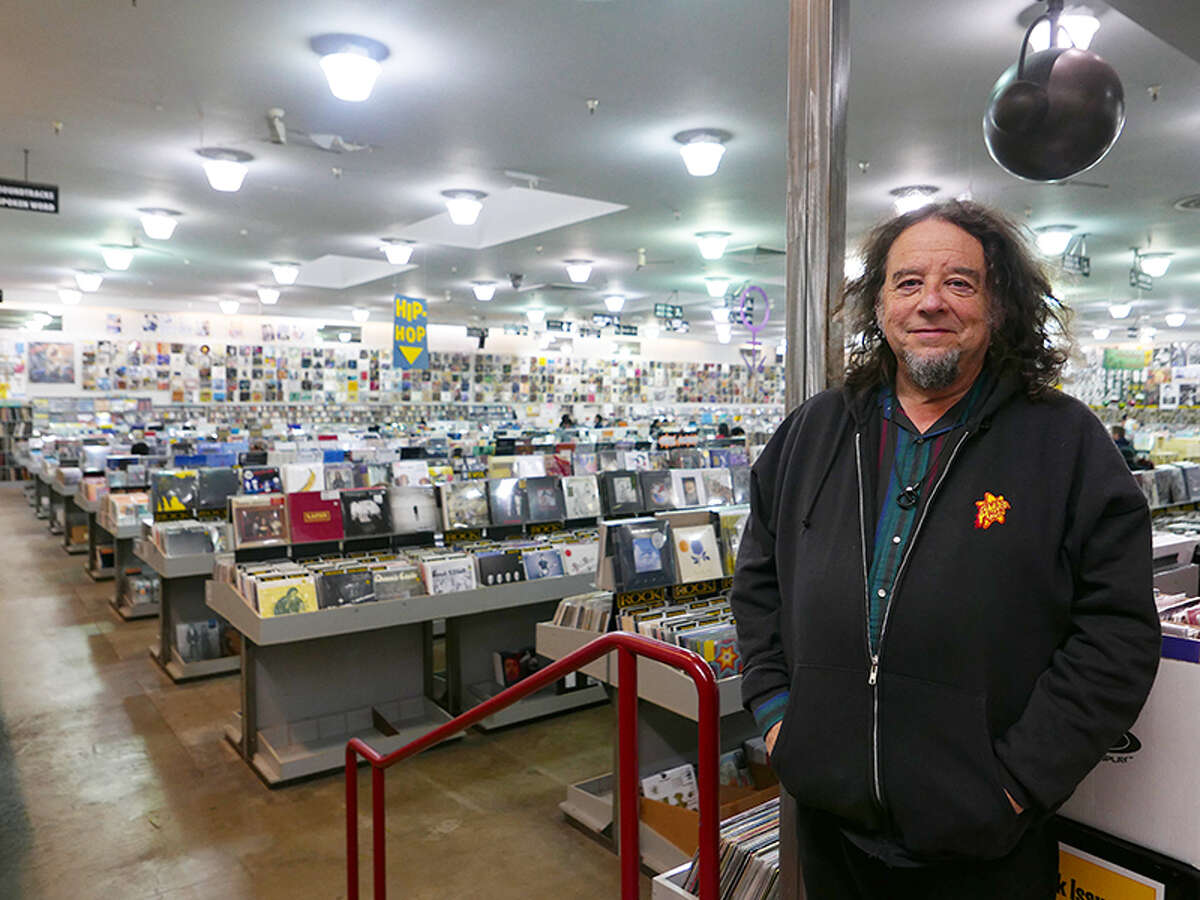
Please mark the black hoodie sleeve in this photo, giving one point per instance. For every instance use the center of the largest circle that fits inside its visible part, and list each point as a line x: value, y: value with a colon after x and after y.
x: 1102, y: 672
x: 755, y: 597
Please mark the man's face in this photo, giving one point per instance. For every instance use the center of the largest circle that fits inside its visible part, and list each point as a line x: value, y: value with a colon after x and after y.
x: 934, y: 308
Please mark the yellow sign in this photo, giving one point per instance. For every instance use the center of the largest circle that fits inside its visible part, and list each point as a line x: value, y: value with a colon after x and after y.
x: 410, y: 340
x: 1082, y: 876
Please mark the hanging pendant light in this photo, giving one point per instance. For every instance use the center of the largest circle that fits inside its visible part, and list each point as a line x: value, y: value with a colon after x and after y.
x: 226, y: 169
x: 351, y: 63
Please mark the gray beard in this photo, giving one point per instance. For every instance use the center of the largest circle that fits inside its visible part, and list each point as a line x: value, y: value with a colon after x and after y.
x: 931, y: 373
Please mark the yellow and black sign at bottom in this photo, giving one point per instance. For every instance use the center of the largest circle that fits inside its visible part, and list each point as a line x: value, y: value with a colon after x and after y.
x: 1082, y: 876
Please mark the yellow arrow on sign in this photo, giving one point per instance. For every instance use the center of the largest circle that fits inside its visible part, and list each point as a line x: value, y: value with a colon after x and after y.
x: 411, y: 353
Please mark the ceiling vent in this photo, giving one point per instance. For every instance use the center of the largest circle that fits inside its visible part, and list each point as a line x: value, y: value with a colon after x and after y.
x: 1188, y: 204
x: 556, y: 286
x: 755, y: 253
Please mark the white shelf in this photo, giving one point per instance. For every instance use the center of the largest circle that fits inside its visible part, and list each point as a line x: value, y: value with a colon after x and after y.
x: 174, y: 566
x: 669, y: 885
x: 88, y: 506
x: 285, y: 753
x: 660, y: 684
x: 205, y: 668
x: 541, y: 703
x: 222, y: 598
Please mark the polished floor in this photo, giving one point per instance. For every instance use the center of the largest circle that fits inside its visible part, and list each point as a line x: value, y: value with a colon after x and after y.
x: 117, y: 784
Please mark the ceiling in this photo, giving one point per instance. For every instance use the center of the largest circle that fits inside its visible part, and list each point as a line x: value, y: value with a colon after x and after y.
x: 475, y: 91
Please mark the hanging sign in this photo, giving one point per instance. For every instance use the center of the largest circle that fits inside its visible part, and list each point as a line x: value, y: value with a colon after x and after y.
x: 1077, y: 264
x: 667, y: 311
x: 516, y: 329
x: 28, y: 197
x: 1125, y: 359
x: 410, y: 334
x: 558, y: 325
x: 602, y: 320
x: 630, y: 330
x: 1140, y: 280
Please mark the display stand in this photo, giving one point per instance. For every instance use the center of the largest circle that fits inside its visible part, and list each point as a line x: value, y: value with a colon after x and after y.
x: 72, y: 517
x: 41, y: 496
x: 505, y: 618
x: 667, y: 717
x: 123, y: 560
x: 183, y: 579
x: 56, y: 511
x: 312, y: 681
x: 97, y: 538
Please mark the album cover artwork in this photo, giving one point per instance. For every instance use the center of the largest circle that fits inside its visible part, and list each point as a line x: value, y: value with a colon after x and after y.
x: 464, y: 504
x: 581, y: 496
x: 733, y: 525
x: 675, y: 787
x: 644, y: 556
x: 450, y: 575
x: 259, y: 521
x: 410, y: 473
x: 185, y: 539
x: 498, y: 567
x: 197, y: 641
x: 379, y: 474
x: 361, y: 472
x: 656, y: 490
x: 529, y: 466
x: 718, y: 458
x: 579, y: 557
x: 215, y: 487
x: 173, y: 494
x: 697, y: 557
x: 303, y: 477
x: 414, y: 509
x: 740, y: 476
x: 584, y: 462
x: 345, y: 587
x: 718, y: 486
x: 286, y: 595
x: 366, y: 512
x: 544, y: 499
x: 542, y: 563
x: 688, y: 488
x: 338, y: 476
x: 396, y: 582
x: 261, y: 480
x: 621, y: 493
x: 506, y: 500
x: 315, y: 516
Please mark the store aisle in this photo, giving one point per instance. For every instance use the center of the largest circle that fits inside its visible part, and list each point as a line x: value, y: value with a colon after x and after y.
x: 117, y: 784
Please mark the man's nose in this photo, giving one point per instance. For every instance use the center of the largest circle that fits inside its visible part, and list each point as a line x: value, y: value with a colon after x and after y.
x: 931, y: 299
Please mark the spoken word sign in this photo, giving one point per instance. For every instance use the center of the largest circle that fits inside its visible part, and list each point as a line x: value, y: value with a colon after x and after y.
x: 667, y: 311
x: 410, y: 338
x: 29, y: 197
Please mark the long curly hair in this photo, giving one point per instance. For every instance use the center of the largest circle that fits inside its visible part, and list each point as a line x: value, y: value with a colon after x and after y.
x: 1024, y: 311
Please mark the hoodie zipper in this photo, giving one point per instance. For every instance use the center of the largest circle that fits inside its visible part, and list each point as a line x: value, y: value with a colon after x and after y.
x: 873, y: 676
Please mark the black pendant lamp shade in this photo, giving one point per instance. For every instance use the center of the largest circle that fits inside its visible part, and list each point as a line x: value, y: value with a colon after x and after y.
x: 1054, y: 113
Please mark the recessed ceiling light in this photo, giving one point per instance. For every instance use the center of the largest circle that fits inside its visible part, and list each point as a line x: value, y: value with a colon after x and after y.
x: 159, y: 224
x: 1119, y: 310
x: 1053, y: 240
x: 716, y: 285
x: 229, y: 307
x: 1101, y: 334
x: 579, y: 270
x: 464, y: 206
x: 117, y: 257
x: 88, y: 281
x: 360, y: 314
x: 702, y: 149
x: 912, y: 197
x: 614, y: 303
x: 69, y: 296
x: 535, y: 316
x: 1080, y: 26
x: 1175, y: 319
x: 1154, y: 264
x: 484, y: 290
x: 285, y: 272
x: 350, y: 63
x: 225, y: 168
x: 398, y: 250
x: 268, y: 295
x: 712, y: 243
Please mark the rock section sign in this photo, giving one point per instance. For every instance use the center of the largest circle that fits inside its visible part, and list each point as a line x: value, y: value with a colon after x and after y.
x: 410, y: 334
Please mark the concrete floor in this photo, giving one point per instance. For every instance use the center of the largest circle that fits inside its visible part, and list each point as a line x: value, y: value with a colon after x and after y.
x: 116, y: 783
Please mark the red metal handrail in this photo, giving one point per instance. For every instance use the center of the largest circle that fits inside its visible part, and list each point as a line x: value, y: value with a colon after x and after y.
x: 629, y: 647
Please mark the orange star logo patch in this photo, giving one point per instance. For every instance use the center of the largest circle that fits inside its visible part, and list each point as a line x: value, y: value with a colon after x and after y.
x: 991, y: 510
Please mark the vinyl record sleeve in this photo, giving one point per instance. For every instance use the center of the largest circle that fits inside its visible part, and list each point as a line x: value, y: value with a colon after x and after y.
x: 579, y: 557
x: 366, y: 512
x: 656, y: 490
x: 620, y: 493
x: 498, y: 567
x: 338, y: 476
x: 259, y: 521
x: 644, y: 556
x: 286, y: 596
x: 315, y: 516
x: 303, y: 477
x: 544, y: 499
x: 506, y: 501
x: 688, y: 488
x: 345, y: 587
x: 449, y: 575
x: 414, y: 509
x: 740, y: 476
x: 411, y: 473
x: 173, y: 494
x: 542, y: 563
x: 697, y: 557
x: 396, y: 582
x: 261, y: 480
x: 464, y: 504
x: 581, y: 496
x: 215, y: 487
x: 718, y: 487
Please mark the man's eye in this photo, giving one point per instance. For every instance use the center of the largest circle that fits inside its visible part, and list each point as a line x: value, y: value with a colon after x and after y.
x: 908, y: 284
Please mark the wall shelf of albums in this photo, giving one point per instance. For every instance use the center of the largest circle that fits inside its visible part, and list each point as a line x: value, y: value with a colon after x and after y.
x: 16, y: 424
x: 670, y: 577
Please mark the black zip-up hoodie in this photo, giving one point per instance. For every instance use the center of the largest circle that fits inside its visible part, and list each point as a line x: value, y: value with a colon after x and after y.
x: 1012, y: 656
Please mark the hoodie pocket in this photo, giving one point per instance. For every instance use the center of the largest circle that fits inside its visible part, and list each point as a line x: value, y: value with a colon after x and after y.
x: 822, y: 754
x: 941, y: 777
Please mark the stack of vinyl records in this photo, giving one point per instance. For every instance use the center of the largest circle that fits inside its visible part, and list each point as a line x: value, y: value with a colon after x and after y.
x: 749, y: 855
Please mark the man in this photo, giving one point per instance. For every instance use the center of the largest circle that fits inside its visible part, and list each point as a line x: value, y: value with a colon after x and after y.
x: 1125, y: 446
x: 943, y: 595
